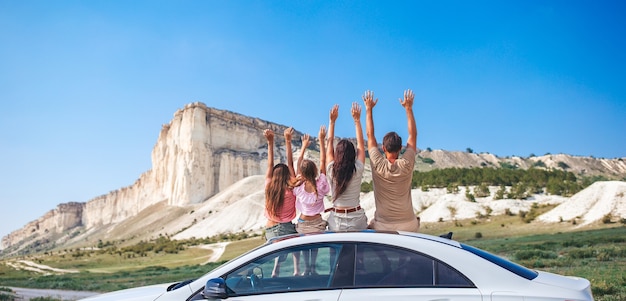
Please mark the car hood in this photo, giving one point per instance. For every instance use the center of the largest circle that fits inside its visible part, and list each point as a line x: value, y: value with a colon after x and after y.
x: 144, y: 293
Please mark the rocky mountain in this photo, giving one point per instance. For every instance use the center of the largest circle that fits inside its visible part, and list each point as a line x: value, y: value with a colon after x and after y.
x: 205, y: 180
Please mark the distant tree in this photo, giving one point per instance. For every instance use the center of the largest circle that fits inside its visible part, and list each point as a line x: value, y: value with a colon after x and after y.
x: 469, y: 150
x: 531, y: 155
x: 469, y: 196
x: 539, y: 163
x: 482, y: 190
x: 500, y: 193
x: 519, y: 191
x: 507, y: 165
x: 452, y: 188
x: 428, y: 160
x: 428, y: 149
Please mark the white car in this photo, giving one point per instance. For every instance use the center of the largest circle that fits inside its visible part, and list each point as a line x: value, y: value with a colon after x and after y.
x: 367, y: 265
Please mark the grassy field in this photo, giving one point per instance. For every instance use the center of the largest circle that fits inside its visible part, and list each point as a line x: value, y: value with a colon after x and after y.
x: 597, y: 253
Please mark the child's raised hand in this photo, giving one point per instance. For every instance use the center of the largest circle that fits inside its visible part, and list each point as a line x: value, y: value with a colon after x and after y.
x: 305, y: 140
x: 322, y: 133
x: 356, y: 111
x: 334, y: 113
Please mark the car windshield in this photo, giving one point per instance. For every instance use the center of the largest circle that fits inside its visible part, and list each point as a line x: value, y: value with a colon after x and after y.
x: 509, y: 265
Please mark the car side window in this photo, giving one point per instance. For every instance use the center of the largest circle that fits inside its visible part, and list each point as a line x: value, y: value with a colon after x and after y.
x: 385, y: 266
x: 300, y: 268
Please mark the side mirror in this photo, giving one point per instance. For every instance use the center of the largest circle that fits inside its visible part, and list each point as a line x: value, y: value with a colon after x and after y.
x: 215, y: 289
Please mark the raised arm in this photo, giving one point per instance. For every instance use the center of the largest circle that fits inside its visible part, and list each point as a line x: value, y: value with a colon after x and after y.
x: 269, y: 136
x: 288, y: 135
x: 305, y: 145
x: 360, y: 145
x: 368, y: 100
x: 330, y: 140
x: 322, y: 138
x: 407, y: 103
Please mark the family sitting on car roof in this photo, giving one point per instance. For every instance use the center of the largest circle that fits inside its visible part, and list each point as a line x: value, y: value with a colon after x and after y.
x: 286, y: 192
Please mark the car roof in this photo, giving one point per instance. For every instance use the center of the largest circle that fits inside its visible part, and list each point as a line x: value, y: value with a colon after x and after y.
x: 361, y: 235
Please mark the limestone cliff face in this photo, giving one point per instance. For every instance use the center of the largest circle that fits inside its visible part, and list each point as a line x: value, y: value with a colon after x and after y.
x: 63, y: 218
x: 204, y: 150
x: 199, y: 153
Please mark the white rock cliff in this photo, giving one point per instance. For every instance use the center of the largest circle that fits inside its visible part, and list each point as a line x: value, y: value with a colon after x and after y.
x: 199, y: 153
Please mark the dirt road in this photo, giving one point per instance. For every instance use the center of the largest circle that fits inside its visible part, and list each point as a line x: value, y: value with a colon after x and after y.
x: 28, y: 293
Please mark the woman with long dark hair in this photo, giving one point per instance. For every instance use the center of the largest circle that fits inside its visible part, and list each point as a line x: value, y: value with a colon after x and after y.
x: 280, y: 201
x: 345, y: 171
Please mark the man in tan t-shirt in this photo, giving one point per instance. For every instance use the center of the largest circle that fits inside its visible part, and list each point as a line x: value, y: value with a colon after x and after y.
x: 391, y: 174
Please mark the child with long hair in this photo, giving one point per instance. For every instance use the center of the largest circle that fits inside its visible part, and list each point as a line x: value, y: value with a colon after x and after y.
x: 310, y: 196
x: 280, y: 202
x: 345, y: 172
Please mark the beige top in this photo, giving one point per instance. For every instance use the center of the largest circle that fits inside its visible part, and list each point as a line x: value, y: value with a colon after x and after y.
x: 351, y: 196
x: 392, y: 186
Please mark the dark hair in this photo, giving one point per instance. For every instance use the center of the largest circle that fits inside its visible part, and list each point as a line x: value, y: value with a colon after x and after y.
x: 275, y: 189
x: 392, y: 142
x: 343, y: 167
x: 308, y: 170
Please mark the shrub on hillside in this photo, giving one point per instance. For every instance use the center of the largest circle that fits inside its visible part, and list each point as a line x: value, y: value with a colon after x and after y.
x: 428, y: 160
x: 482, y: 190
x: 469, y: 196
x: 452, y: 188
x: 539, y: 164
x: 534, y: 254
x: 367, y: 187
x: 500, y: 193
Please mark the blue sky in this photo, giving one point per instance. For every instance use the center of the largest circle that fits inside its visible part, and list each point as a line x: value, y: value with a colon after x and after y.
x: 86, y: 85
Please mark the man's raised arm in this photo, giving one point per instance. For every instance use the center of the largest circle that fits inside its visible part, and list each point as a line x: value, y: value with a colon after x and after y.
x: 407, y: 103
x: 368, y: 100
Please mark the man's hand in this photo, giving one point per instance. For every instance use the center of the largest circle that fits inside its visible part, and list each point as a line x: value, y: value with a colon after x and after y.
x: 368, y: 99
x: 269, y: 135
x: 407, y: 102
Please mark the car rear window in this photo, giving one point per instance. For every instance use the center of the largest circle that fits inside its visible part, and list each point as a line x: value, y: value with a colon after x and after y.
x: 509, y: 265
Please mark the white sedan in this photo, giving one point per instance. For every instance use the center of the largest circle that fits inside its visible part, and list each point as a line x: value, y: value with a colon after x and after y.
x: 367, y: 265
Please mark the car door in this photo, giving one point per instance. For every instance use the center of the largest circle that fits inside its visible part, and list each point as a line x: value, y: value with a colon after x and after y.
x: 296, y: 273
x: 393, y: 273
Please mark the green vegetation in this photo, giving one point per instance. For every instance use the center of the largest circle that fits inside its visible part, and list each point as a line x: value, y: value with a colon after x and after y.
x: 539, y: 164
x: 597, y: 254
x: 482, y: 191
x: 523, y: 182
x: 6, y: 294
x: 101, y: 270
x: 428, y: 160
x: 367, y: 187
